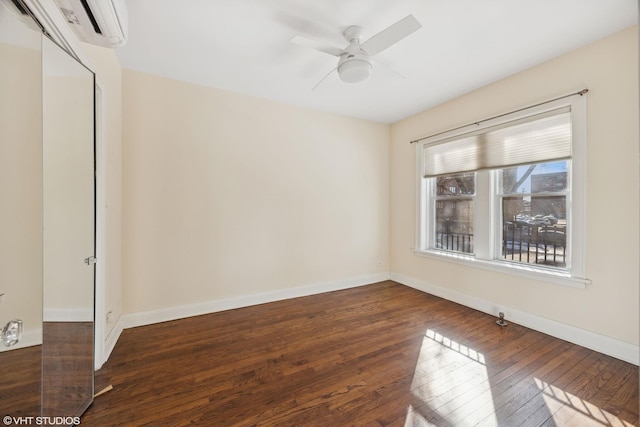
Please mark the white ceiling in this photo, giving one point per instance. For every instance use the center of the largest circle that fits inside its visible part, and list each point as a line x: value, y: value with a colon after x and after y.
x: 243, y: 46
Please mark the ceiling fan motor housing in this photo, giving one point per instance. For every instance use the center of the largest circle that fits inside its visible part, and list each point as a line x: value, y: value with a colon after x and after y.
x: 355, y: 64
x: 354, y: 67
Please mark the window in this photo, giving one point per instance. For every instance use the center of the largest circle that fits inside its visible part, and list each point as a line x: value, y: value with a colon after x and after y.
x: 508, y: 193
x: 453, y: 196
x: 533, y: 207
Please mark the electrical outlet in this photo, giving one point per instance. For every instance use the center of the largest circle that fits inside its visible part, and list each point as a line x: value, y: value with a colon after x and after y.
x: 109, y: 316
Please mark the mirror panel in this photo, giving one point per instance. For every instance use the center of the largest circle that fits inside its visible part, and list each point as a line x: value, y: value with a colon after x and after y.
x: 69, y: 234
x: 20, y: 212
x: 47, y: 222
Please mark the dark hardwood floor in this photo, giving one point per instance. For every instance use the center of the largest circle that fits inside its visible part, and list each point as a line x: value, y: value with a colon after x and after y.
x: 20, y: 381
x: 378, y: 355
x: 54, y: 379
x: 67, y: 361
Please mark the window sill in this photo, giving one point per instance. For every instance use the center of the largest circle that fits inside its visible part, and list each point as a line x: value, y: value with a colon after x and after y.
x: 526, y: 271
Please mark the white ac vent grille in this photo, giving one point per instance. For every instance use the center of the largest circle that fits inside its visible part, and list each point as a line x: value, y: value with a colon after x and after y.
x: 99, y: 22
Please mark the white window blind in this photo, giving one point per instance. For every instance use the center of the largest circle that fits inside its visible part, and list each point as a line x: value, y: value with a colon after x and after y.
x: 533, y: 139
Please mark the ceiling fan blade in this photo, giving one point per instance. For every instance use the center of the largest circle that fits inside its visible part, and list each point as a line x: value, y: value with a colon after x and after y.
x: 391, y: 35
x: 323, y: 79
x: 314, y: 44
x: 388, y: 67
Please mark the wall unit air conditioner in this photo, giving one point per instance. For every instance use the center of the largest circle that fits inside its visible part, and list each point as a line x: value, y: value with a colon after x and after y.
x: 100, y: 22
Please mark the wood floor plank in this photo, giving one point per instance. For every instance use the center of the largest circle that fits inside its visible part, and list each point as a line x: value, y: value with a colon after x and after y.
x: 20, y: 386
x: 606, y: 395
x: 486, y: 394
x: 528, y: 399
x: 505, y: 384
x: 377, y: 355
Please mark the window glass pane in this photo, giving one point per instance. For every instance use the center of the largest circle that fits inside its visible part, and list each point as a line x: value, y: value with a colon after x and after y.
x: 534, y: 229
x: 536, y: 178
x: 456, y: 185
x: 454, y: 225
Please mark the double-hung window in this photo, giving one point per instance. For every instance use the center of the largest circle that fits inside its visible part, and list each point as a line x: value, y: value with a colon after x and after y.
x: 508, y: 193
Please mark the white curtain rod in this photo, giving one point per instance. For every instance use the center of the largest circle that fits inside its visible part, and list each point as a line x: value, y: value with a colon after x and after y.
x: 580, y: 92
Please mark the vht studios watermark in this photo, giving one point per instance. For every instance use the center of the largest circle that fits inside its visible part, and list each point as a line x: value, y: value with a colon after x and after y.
x: 8, y: 420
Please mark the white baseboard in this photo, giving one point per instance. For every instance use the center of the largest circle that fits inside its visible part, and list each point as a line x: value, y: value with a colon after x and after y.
x: 613, y: 347
x: 29, y: 338
x: 132, y: 320
x: 67, y: 315
x: 110, y: 342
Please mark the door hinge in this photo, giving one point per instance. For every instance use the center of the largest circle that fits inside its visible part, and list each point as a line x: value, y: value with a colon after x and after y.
x: 91, y: 260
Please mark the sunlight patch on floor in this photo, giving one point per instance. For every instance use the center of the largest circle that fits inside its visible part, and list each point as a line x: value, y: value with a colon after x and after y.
x: 567, y: 408
x: 446, y: 376
x: 455, y: 346
x: 415, y: 419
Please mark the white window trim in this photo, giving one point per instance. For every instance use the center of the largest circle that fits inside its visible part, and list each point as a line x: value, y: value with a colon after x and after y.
x: 575, y: 275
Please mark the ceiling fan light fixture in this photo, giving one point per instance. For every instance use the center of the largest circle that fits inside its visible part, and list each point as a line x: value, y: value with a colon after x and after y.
x: 354, y: 65
x: 354, y: 70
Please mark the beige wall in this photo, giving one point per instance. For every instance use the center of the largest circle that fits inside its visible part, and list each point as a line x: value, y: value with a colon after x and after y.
x: 226, y: 195
x: 609, y: 306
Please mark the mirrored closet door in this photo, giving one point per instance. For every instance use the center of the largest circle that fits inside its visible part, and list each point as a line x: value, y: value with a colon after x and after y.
x: 68, y: 233
x: 47, y: 225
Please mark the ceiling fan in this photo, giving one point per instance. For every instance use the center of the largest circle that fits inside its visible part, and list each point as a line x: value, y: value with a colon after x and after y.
x: 355, y: 60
